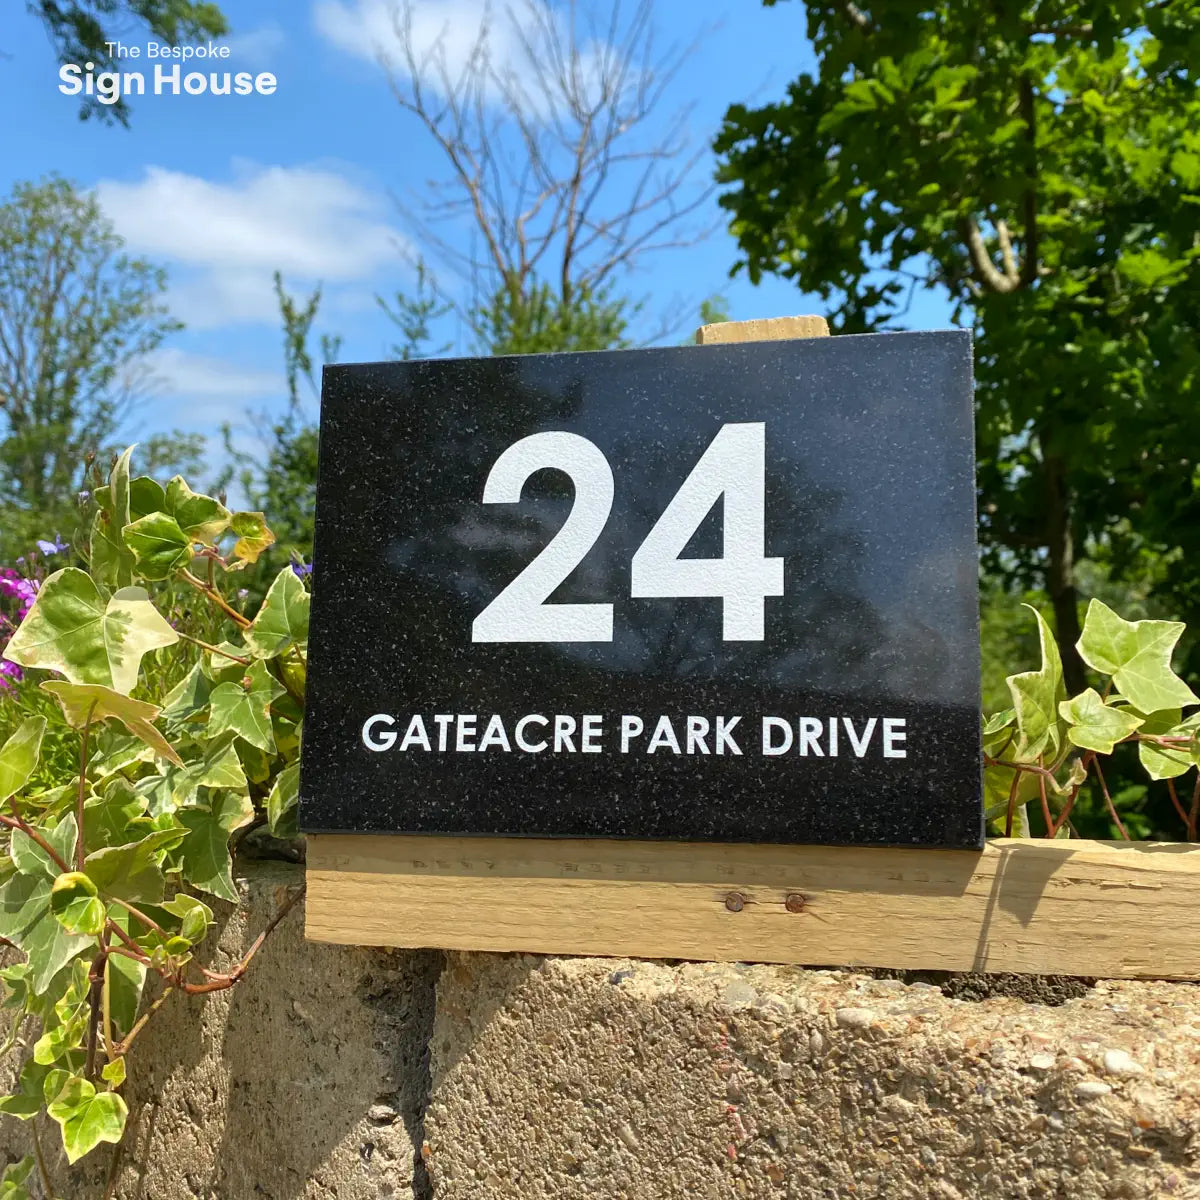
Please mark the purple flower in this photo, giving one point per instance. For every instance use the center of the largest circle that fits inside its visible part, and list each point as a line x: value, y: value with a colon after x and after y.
x: 9, y: 670
x: 302, y: 569
x: 51, y: 548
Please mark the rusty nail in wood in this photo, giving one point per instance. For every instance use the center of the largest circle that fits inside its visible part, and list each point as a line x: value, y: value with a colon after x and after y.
x: 735, y: 902
x: 795, y: 902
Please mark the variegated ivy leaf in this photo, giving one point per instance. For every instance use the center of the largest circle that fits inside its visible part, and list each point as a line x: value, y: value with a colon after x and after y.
x: 1168, y: 762
x: 131, y: 871
x: 204, y: 853
x: 83, y: 702
x: 87, y: 1117
x: 159, y: 546
x: 201, y: 518
x: 1036, y: 697
x: 252, y: 533
x: 282, y: 803
x: 282, y: 621
x: 244, y: 707
x: 72, y: 630
x: 1095, y: 725
x: 1137, y: 654
x: 76, y: 904
x: 111, y: 560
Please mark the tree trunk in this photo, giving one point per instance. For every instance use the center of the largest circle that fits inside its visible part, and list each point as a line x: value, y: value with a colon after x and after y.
x: 1060, y: 574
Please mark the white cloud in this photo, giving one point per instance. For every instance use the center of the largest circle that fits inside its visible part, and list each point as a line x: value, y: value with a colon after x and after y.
x: 368, y: 28
x: 197, y: 376
x: 311, y: 223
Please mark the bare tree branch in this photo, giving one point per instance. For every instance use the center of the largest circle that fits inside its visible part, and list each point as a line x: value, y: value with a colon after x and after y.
x: 561, y: 168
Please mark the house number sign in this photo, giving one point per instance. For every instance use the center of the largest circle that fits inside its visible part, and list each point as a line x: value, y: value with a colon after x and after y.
x: 716, y: 593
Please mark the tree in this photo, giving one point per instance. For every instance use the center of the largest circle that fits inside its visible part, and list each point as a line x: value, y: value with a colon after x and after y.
x: 77, y: 318
x: 1039, y: 162
x: 560, y: 178
x: 81, y: 31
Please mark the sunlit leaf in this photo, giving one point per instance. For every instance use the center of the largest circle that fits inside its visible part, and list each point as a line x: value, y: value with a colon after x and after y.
x: 19, y: 756
x: 282, y: 621
x: 283, y: 801
x: 1095, y: 725
x: 81, y: 702
x: 76, y: 904
x: 1036, y: 697
x: 72, y: 630
x: 1137, y: 654
x: 159, y: 546
x: 87, y: 1117
x: 244, y: 707
x: 252, y: 533
x: 205, y: 851
x: 201, y: 518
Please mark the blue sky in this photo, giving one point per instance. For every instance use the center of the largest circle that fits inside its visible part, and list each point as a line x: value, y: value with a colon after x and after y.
x: 316, y: 180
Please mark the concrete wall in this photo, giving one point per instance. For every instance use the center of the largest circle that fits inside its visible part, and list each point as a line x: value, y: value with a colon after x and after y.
x: 348, y: 1073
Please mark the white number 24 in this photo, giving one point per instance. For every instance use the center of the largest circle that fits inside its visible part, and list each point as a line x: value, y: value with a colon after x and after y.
x: 733, y: 465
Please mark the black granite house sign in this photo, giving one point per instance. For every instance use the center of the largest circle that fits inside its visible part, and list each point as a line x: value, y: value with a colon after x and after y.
x: 716, y: 593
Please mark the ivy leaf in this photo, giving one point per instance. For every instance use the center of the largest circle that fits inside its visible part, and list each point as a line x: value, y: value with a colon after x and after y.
x: 189, y: 697
x: 80, y: 700
x: 1164, y: 762
x: 70, y: 629
x: 12, y: 1182
x: 145, y: 497
x: 282, y: 803
x: 245, y: 707
x: 1137, y: 654
x: 194, y: 915
x: 76, y: 904
x: 159, y: 546
x: 201, y: 518
x: 218, y: 767
x: 113, y: 1073
x: 117, y: 817
x: 253, y: 535
x: 19, y: 756
x: 282, y: 621
x: 1036, y: 697
x: 205, y: 851
x: 28, y: 1099
x: 27, y: 922
x: 31, y: 859
x: 111, y: 560
x: 87, y: 1117
x: 131, y: 872
x: 1095, y: 725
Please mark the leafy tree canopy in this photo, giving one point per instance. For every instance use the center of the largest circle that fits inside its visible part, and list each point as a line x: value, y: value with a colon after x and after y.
x: 1039, y: 162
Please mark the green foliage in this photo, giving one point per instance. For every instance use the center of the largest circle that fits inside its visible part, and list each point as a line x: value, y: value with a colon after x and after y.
x: 181, y: 742
x: 537, y: 320
x: 1036, y: 163
x: 76, y: 314
x: 1047, y: 746
x: 81, y: 29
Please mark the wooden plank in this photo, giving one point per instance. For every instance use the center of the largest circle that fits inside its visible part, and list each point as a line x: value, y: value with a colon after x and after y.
x: 763, y: 329
x: 1110, y: 909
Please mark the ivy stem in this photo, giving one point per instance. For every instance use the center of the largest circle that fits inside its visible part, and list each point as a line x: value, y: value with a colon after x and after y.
x: 28, y: 830
x: 216, y: 598
x: 1112, y: 808
x: 134, y: 948
x: 1049, y: 820
x: 80, y: 849
x: 122, y: 1047
x: 1183, y: 816
x: 106, y: 1012
x: 218, y: 983
x: 237, y: 658
x: 1064, y: 816
x: 47, y: 1186
x: 1012, y: 803
x: 149, y: 922
x: 96, y: 978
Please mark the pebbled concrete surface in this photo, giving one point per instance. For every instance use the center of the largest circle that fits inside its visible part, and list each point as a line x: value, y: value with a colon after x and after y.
x: 582, y: 1077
